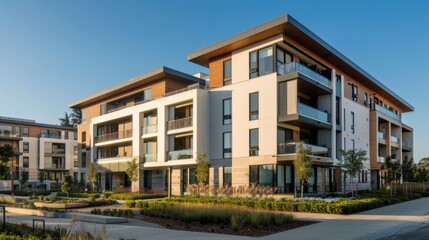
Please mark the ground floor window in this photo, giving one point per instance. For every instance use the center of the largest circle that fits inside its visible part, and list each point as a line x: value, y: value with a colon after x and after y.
x: 189, y: 176
x: 262, y: 175
x: 227, y: 176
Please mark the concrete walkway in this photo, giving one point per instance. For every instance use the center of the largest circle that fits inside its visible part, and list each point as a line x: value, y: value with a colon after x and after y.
x: 375, y: 224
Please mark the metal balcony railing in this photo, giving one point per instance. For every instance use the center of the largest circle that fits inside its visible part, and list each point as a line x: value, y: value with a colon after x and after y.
x: 179, y: 123
x: 180, y: 154
x: 298, y: 67
x: 114, y: 136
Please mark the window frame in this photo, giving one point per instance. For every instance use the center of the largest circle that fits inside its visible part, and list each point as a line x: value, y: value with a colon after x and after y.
x: 352, y: 121
x: 253, y: 149
x: 23, y: 147
x: 230, y: 176
x: 255, y: 71
x: 226, y: 150
x: 25, y: 132
x: 227, y: 80
x: 226, y: 117
x: 28, y: 162
x: 253, y: 114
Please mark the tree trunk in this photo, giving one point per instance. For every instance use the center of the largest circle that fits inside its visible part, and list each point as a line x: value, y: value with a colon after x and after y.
x: 351, y: 185
x: 302, y: 190
x: 345, y: 184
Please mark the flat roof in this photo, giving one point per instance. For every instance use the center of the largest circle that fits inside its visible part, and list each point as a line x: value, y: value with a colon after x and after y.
x: 135, y: 82
x: 28, y: 122
x: 292, y: 28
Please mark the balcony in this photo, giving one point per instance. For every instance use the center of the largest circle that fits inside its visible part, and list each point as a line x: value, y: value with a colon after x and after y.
x: 298, y: 67
x: 114, y: 136
x: 180, y: 154
x: 150, y: 157
x: 149, y: 129
x: 9, y: 134
x: 313, y: 113
x: 179, y: 123
x: 381, y: 136
x: 406, y: 145
x: 254, y: 151
x: 394, y: 139
x: 54, y: 151
x: 54, y: 167
x: 47, y: 135
x: 292, y: 148
x: 381, y: 159
x: 386, y: 112
x: 118, y: 158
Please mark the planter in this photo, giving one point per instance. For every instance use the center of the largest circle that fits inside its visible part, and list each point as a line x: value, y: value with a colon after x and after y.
x: 60, y: 205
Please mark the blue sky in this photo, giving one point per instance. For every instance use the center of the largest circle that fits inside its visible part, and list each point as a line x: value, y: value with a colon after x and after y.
x: 55, y: 52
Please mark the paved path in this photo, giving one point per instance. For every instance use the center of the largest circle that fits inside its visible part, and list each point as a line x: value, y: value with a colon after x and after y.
x: 394, y: 220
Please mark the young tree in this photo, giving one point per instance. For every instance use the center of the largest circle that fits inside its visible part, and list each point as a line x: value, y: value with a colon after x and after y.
x: 421, y: 174
x: 424, y: 162
x: 24, y: 177
x: 353, y: 163
x: 408, y: 167
x: 42, y: 176
x: 202, y: 171
x: 6, y: 154
x: 92, y: 175
x: 65, y: 188
x: 65, y: 121
x: 76, y: 116
x: 302, y: 165
x: 393, y: 171
x: 132, y: 171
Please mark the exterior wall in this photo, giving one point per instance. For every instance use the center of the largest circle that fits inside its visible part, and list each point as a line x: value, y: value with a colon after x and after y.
x: 216, y: 71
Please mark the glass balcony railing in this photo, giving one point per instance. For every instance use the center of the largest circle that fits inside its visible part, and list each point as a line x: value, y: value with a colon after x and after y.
x: 394, y: 139
x: 150, y: 157
x: 386, y: 112
x: 406, y: 144
x: 114, y: 136
x: 313, y: 113
x: 298, y: 67
x: 292, y: 147
x: 381, y: 135
x: 148, y: 129
x: 179, y: 123
x: 180, y: 154
x: 381, y: 159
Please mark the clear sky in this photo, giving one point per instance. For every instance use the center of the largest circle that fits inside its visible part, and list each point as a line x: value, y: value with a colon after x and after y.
x: 55, y: 52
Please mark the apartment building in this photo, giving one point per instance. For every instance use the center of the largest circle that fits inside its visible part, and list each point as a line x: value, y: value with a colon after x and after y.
x: 39, y: 147
x: 269, y: 88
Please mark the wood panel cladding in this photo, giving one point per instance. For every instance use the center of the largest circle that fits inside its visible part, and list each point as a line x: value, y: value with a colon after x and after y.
x: 216, y: 71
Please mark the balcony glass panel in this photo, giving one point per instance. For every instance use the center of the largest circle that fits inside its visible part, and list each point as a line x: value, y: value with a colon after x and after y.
x: 394, y: 139
x: 297, y: 67
x: 114, y: 136
x: 386, y: 112
x: 380, y: 135
x: 150, y: 157
x: 406, y: 144
x: 381, y: 159
x: 292, y: 147
x: 312, y: 112
x: 148, y: 129
x: 180, y: 154
x: 179, y: 123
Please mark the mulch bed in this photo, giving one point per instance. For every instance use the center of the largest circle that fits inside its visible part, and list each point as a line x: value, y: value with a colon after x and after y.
x: 260, y: 231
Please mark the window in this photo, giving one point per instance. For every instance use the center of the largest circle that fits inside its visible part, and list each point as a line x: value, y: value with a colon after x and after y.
x: 227, y: 111
x: 261, y: 175
x: 25, y: 162
x: 26, y: 147
x: 365, y: 99
x: 83, y: 116
x: 352, y: 118
x: 227, y: 145
x: 254, y: 106
x: 147, y: 94
x: 45, y: 133
x: 103, y: 109
x: 5, y: 130
x: 227, y: 176
x: 354, y: 93
x: 363, y: 178
x: 25, y: 132
x: 353, y: 144
x: 254, y: 142
x: 282, y: 58
x: 227, y: 70
x: 344, y: 122
x: 83, y: 160
x: 75, y: 150
x: 66, y: 135
x: 83, y: 137
x: 17, y: 131
x: 261, y: 62
x: 75, y: 136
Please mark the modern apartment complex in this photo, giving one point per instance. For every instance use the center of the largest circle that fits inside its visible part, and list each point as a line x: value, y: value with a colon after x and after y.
x: 269, y: 88
x: 39, y: 147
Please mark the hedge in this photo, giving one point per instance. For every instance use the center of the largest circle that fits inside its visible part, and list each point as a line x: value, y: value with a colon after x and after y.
x: 134, y: 196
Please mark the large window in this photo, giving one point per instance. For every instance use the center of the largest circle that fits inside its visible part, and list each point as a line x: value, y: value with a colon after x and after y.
x: 227, y: 111
x: 5, y: 130
x: 227, y: 72
x: 254, y: 142
x: 253, y: 106
x: 25, y: 147
x: 25, y: 162
x: 261, y: 175
x: 365, y: 99
x: 227, y: 145
x: 227, y: 176
x: 83, y: 116
x: 282, y: 58
x: 352, y: 125
x: 83, y: 160
x: 261, y: 62
x: 45, y: 133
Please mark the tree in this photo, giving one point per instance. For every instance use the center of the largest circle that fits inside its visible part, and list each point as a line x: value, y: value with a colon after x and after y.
x: 421, y: 174
x: 408, y: 167
x: 24, y: 177
x: 76, y: 116
x: 393, y: 168
x: 202, y: 171
x: 424, y: 162
x: 132, y: 171
x: 302, y: 165
x: 65, y: 121
x: 6, y: 154
x: 65, y: 188
x: 353, y: 163
x: 92, y: 175
x: 42, y: 176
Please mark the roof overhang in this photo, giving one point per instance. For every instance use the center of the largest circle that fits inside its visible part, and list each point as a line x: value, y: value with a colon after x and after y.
x: 292, y: 28
x: 133, y: 83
